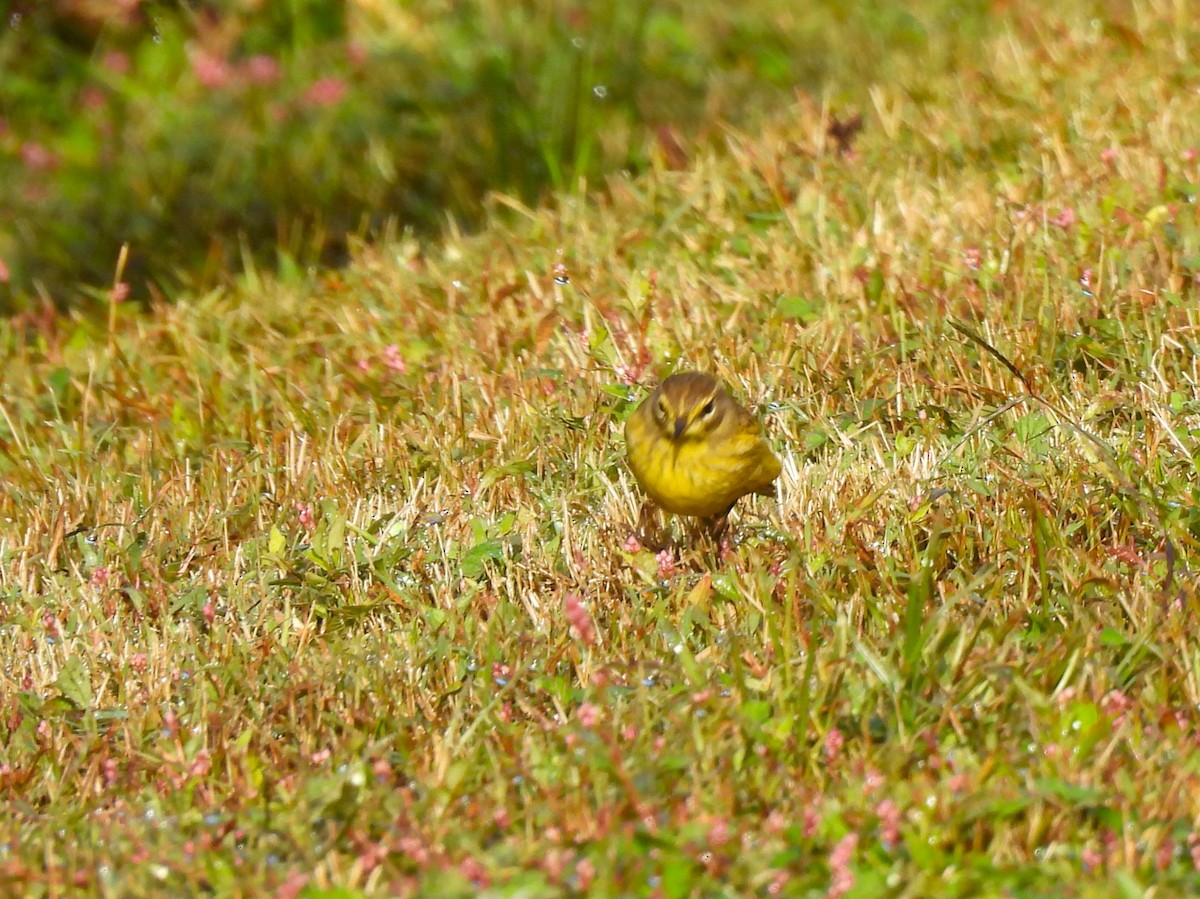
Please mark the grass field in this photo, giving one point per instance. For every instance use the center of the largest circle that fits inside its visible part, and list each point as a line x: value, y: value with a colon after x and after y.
x: 322, y: 585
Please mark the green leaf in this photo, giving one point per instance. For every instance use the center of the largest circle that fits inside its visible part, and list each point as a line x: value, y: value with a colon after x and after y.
x: 757, y: 710
x: 1074, y: 794
x: 475, y: 560
x: 802, y: 309
x: 498, y: 473
x: 678, y: 875
x: 75, y: 683
x: 276, y: 541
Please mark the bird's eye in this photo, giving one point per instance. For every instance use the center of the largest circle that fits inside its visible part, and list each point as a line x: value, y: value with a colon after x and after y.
x: 661, y: 410
x: 708, y: 409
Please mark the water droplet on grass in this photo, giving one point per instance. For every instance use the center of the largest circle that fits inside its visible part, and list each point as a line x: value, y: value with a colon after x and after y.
x: 600, y: 91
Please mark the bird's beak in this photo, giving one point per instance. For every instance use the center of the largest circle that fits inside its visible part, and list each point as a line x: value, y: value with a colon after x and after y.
x: 680, y: 424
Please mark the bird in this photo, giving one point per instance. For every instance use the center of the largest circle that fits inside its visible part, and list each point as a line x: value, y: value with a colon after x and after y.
x: 695, y: 451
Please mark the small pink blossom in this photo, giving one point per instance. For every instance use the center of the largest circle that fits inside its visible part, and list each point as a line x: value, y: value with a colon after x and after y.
x: 580, y: 620
x: 701, y: 696
x: 957, y: 783
x: 629, y: 733
x: 382, y: 769
x: 839, y: 866
x: 111, y: 771
x: 474, y: 871
x: 1115, y: 704
x: 92, y: 97
x: 812, y: 822
x: 1065, y: 219
x: 888, y: 814
x: 393, y: 360
x: 116, y: 61
x: 364, y: 364
x: 666, y: 564
x: 321, y: 756
x: 973, y: 258
x: 589, y: 715
x: 201, y: 765
x: 585, y: 871
x: 1165, y: 854
x: 872, y: 780
x: 1191, y: 154
x: 777, y: 884
x: 4, y: 275
x: 1108, y: 155
x: 719, y: 833
x: 118, y: 293
x: 99, y: 577
x: 326, y: 92
x: 261, y: 69
x: 834, y: 741
x: 209, y: 611
x: 138, y: 661
x: 356, y: 54
x: 211, y: 70
x: 1193, y: 842
x: 500, y: 818
x: 304, y: 514
x: 632, y: 545
x: 1092, y: 858
x: 37, y: 158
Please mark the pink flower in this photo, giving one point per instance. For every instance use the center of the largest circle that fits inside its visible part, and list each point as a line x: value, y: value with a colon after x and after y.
x: 210, y: 70
x: 4, y: 276
x: 1191, y: 154
x: 304, y: 513
x: 92, y: 97
x: 719, y: 833
x: 137, y: 661
x: 326, y: 92
x: 119, y: 292
x: 261, y: 69
x: 99, y: 577
x: 1115, y: 704
x: 115, y: 61
x: 872, y: 780
x: 589, y: 715
x: 37, y: 158
x: 1108, y: 155
x: 666, y: 564
x: 580, y: 620
x: 1092, y: 858
x: 1165, y: 854
x: 1193, y: 842
x: 393, y: 360
x: 1065, y: 219
x: 585, y: 871
x: 812, y: 823
x: 973, y: 258
x: 356, y: 54
x: 839, y: 866
x: 201, y: 765
x: 888, y: 814
x: 474, y: 871
x: 632, y: 545
x: 834, y: 741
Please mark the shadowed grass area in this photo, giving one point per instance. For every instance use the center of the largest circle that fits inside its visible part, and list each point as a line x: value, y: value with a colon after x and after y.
x: 324, y: 583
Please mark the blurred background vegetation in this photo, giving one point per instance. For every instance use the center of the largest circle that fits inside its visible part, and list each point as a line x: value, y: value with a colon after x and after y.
x: 204, y: 134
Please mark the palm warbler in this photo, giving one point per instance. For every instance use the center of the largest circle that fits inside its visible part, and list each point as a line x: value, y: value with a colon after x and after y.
x: 696, y: 452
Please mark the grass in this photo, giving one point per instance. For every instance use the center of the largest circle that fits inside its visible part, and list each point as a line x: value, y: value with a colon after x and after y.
x: 321, y: 585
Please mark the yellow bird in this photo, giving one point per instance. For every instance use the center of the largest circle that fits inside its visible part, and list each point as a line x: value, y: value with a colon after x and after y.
x: 696, y: 452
